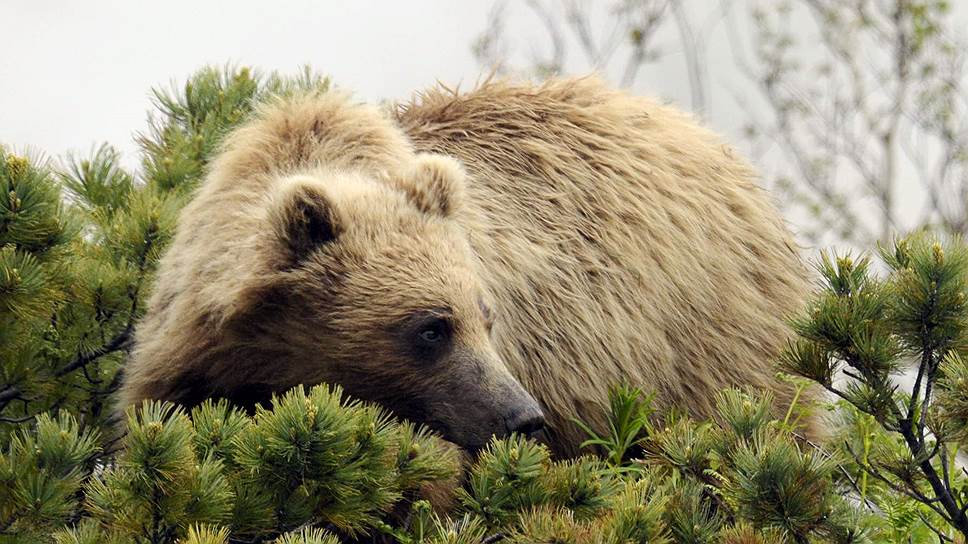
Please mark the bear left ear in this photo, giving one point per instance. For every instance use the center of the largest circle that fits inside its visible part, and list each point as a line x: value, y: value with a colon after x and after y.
x: 304, y: 217
x: 435, y: 184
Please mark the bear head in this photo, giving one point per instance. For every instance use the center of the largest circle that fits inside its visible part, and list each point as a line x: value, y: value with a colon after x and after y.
x: 371, y: 284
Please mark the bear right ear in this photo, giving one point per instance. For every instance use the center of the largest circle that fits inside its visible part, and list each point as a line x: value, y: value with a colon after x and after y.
x: 434, y: 184
x: 303, y: 217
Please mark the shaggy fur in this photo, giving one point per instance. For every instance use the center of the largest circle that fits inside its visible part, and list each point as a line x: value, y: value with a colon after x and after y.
x: 606, y: 237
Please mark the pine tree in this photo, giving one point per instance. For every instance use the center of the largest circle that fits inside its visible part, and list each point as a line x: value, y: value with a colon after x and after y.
x: 871, y: 330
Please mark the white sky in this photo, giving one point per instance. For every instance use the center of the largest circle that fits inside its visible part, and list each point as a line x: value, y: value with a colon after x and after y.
x: 77, y: 73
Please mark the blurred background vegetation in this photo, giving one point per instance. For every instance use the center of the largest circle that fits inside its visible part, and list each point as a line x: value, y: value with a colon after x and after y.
x: 854, y: 110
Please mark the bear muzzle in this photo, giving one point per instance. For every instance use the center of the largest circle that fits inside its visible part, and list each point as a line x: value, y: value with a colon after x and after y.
x: 493, y: 411
x: 526, y: 421
x: 523, y: 414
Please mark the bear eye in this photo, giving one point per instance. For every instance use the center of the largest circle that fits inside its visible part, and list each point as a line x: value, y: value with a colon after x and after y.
x: 433, y: 333
x: 427, y: 334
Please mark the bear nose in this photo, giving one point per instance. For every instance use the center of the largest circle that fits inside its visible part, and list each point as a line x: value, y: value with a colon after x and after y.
x: 526, y: 422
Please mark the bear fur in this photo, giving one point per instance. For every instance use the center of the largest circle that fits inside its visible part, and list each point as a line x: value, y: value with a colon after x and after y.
x: 576, y: 237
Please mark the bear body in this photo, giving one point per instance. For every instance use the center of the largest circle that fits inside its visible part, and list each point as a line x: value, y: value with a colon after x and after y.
x: 560, y: 238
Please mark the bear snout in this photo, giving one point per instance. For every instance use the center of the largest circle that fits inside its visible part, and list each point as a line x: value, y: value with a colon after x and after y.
x: 527, y: 421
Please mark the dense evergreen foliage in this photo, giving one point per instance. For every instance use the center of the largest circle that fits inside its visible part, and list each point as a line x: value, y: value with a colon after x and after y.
x: 78, y: 244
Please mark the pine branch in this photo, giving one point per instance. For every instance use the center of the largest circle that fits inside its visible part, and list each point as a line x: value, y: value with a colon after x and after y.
x: 953, y: 512
x: 911, y: 491
x: 843, y: 470
x: 8, y: 394
x: 16, y: 419
x: 938, y: 532
x: 117, y: 343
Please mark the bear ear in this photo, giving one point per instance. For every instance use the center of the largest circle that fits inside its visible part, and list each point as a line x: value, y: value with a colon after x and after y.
x: 303, y: 217
x: 435, y: 184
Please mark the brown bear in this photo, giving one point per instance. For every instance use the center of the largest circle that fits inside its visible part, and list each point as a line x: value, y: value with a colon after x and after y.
x: 480, y: 262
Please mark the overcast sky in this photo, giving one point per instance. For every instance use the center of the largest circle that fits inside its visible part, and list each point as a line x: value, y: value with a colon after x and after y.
x: 76, y: 73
